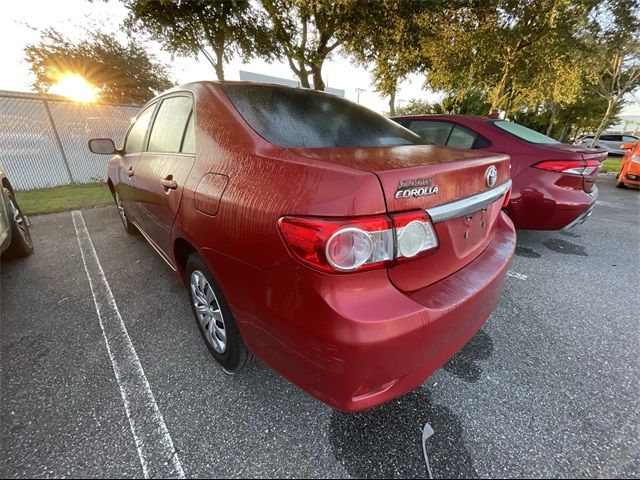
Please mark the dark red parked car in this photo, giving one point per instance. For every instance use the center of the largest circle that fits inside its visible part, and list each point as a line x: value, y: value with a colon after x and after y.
x: 327, y: 240
x: 553, y: 182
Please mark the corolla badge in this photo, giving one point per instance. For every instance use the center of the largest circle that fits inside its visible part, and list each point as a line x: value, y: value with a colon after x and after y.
x: 491, y: 176
x: 417, y: 187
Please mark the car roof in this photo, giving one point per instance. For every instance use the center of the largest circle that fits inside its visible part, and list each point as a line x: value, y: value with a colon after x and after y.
x: 197, y: 85
x: 442, y: 116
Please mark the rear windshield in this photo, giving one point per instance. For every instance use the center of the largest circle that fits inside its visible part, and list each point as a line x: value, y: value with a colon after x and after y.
x: 523, y: 132
x: 292, y: 117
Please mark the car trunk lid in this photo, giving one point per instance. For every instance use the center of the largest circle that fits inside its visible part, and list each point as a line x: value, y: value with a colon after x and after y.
x: 450, y: 184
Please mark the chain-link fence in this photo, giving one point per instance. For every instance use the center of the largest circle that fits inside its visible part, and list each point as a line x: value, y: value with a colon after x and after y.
x: 43, y: 139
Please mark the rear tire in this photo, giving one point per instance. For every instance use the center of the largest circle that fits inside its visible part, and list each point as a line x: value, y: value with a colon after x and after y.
x: 128, y: 226
x: 21, y: 244
x: 214, y: 318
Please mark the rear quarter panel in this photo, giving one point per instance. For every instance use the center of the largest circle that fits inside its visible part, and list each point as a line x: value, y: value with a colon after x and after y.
x: 265, y: 183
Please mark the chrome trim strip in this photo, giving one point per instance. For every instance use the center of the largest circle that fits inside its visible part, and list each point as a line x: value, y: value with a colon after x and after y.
x: 581, y: 218
x: 155, y: 247
x: 458, y: 208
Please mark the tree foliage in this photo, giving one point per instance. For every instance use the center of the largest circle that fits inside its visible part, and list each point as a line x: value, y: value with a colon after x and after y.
x: 417, y: 106
x: 307, y: 32
x: 615, y: 50
x: 516, y: 56
x: 468, y: 102
x: 583, y: 115
x: 388, y: 38
x: 124, y: 73
x: 217, y: 30
x: 521, y: 52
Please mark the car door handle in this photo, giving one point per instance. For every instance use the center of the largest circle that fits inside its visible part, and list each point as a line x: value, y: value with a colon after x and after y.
x: 169, y: 183
x: 130, y: 172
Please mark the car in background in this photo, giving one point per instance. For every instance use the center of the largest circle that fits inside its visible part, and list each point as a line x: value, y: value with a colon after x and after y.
x: 629, y: 175
x: 553, y: 183
x: 608, y: 141
x: 15, y: 239
x: 335, y: 245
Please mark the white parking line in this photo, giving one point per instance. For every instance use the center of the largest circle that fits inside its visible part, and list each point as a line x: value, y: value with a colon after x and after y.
x: 519, y: 276
x: 158, y: 456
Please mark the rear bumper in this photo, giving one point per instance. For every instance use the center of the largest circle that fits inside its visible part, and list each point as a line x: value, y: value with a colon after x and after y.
x: 543, y: 200
x: 355, y: 341
x: 581, y: 218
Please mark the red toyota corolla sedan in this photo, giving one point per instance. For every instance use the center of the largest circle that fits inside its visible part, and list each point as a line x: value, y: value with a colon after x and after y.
x: 323, y: 238
x: 553, y: 183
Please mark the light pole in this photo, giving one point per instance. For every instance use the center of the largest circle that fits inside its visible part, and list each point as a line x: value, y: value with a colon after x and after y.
x: 359, y: 91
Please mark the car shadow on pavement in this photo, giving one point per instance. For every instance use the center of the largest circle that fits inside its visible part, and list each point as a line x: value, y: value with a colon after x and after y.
x: 463, y: 365
x: 385, y: 442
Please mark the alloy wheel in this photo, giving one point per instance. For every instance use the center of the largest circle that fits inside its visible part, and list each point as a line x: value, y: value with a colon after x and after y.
x: 19, y: 220
x: 123, y: 216
x: 208, y: 311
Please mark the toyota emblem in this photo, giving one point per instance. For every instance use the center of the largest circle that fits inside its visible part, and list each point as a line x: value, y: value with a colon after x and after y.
x: 491, y: 176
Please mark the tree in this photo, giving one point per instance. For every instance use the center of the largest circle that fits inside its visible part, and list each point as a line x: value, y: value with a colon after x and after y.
x: 124, y: 73
x: 583, y: 115
x: 217, y: 30
x: 388, y: 38
x: 521, y: 52
x: 416, y: 106
x: 306, y: 32
x: 616, y: 47
x: 466, y: 102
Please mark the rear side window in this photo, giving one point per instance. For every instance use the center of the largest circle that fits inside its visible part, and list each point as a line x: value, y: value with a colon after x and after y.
x: 169, y: 126
x: 450, y: 134
x: 292, y: 117
x: 135, y: 139
x: 434, y: 132
x: 629, y: 138
x: 461, y: 138
x: 611, y: 138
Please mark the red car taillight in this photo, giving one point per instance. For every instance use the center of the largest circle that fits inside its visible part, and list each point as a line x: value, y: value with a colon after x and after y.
x: 573, y: 167
x: 347, y: 245
x: 507, y: 197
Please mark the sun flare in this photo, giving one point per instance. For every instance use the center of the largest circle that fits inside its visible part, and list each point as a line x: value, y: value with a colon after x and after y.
x: 76, y: 88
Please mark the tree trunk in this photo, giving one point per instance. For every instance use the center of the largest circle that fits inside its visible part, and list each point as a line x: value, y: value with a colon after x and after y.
x: 554, y: 114
x: 507, y: 109
x: 563, y: 133
x: 392, y: 103
x: 603, y: 122
x: 300, y: 71
x: 219, y: 65
x: 498, y: 91
x: 304, y: 79
x: 318, y: 83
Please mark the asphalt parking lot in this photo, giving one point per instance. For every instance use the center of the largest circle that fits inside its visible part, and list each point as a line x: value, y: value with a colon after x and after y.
x: 549, y: 387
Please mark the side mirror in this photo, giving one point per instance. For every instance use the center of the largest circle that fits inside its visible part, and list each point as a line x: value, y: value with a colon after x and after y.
x: 627, y: 146
x: 102, y: 146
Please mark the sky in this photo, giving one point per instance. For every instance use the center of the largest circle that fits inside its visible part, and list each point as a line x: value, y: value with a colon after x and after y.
x: 21, y: 20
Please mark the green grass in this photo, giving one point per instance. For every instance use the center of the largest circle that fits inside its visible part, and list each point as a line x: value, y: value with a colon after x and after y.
x: 611, y: 164
x: 60, y: 199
